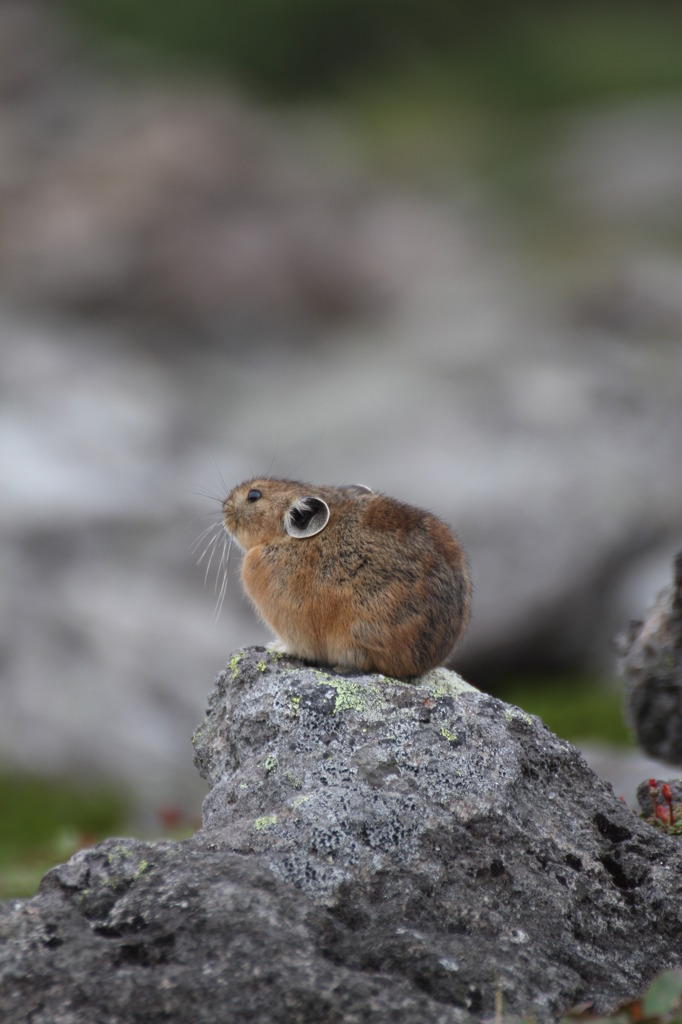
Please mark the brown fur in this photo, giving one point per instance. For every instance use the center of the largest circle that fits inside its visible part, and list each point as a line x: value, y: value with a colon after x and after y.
x: 383, y: 587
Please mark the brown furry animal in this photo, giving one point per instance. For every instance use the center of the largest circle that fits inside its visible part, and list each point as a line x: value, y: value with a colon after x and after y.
x: 350, y: 578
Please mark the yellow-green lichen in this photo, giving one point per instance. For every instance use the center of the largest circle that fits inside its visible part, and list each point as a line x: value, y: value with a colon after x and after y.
x: 379, y: 677
x: 298, y: 800
x: 366, y: 699
x: 449, y: 736
x: 234, y: 664
x: 116, y: 858
x: 292, y: 780
x: 376, y: 701
x: 514, y: 714
x: 349, y: 696
x: 296, y: 702
x: 119, y: 852
x: 322, y: 677
x: 276, y: 655
x: 441, y: 682
x: 265, y: 822
x: 270, y: 763
x: 261, y: 666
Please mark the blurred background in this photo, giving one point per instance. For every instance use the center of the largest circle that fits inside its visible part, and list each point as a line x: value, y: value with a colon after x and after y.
x: 432, y: 248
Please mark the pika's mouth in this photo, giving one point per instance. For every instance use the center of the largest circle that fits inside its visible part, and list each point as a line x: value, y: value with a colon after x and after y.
x: 230, y: 518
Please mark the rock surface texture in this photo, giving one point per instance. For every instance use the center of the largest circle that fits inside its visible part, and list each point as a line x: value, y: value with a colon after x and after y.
x: 652, y: 666
x: 372, y: 850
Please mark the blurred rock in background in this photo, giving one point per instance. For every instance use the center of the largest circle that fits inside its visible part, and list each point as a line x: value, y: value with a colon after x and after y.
x: 651, y: 662
x: 479, y: 313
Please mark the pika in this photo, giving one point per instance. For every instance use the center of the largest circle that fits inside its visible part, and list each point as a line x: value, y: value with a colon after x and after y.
x: 349, y: 578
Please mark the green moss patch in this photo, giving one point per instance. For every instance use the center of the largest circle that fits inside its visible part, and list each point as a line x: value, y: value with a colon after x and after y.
x: 574, y: 707
x: 45, y: 822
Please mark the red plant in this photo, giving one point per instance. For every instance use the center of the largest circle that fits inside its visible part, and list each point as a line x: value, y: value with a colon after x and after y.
x: 667, y: 795
x: 665, y: 813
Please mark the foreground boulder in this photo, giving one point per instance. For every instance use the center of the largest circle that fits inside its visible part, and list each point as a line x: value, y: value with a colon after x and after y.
x: 372, y: 850
x: 137, y: 932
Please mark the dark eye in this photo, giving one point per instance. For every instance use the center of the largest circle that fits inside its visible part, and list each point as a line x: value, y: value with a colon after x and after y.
x: 253, y: 495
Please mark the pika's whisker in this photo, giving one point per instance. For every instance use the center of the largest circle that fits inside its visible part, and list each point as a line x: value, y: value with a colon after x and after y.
x: 220, y: 568
x: 212, y: 541
x: 203, y: 515
x: 214, y: 544
x: 224, y: 563
x: 221, y: 479
x: 212, y: 495
x: 204, y: 533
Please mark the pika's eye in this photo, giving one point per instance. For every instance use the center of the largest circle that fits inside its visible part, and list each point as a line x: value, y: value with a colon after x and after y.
x: 253, y: 495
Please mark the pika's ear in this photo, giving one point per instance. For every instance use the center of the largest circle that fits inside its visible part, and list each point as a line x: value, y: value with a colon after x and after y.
x: 356, y: 490
x: 306, y: 517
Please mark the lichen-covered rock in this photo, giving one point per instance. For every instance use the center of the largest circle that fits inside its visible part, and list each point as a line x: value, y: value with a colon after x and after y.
x: 467, y: 847
x: 652, y: 666
x: 372, y: 850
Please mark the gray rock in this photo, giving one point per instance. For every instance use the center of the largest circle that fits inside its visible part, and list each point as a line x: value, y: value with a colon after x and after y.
x: 464, y: 843
x: 652, y: 666
x: 372, y: 850
x: 138, y: 932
